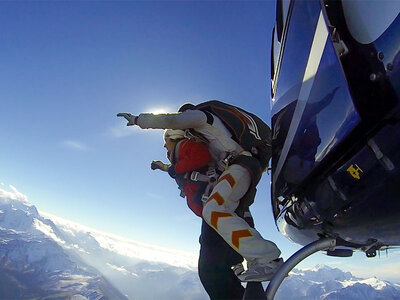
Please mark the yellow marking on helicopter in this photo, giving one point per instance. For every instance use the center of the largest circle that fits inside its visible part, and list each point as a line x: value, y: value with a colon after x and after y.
x: 354, y: 171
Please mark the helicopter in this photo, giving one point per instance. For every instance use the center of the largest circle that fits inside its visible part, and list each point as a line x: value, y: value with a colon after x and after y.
x: 335, y: 116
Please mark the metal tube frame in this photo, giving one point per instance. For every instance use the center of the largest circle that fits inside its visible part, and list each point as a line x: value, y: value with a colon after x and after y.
x: 306, y: 251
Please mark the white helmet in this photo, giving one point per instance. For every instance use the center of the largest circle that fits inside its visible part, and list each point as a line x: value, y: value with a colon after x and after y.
x: 174, y: 134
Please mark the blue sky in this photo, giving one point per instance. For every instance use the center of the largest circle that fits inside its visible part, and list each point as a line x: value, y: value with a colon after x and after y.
x: 67, y: 69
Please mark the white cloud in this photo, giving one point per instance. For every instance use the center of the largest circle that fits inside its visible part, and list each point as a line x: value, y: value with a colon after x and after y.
x: 75, y: 145
x: 143, y: 251
x: 47, y: 230
x: 14, y: 194
x: 121, y: 269
x: 127, y: 247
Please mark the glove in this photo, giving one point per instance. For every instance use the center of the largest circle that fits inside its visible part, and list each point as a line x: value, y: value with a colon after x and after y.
x: 131, y: 118
x: 156, y: 164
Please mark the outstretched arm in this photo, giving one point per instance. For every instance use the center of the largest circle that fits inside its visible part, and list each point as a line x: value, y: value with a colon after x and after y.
x: 186, y: 119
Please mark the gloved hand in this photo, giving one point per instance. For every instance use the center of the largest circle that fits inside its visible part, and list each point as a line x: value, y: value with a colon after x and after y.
x: 156, y: 164
x: 131, y: 118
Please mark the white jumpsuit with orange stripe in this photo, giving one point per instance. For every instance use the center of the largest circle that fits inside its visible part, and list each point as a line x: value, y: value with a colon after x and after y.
x: 232, y: 185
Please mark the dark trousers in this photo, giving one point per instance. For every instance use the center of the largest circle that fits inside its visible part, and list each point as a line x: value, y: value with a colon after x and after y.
x: 215, y: 262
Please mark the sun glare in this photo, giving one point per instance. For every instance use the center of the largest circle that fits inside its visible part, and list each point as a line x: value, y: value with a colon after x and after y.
x: 159, y: 110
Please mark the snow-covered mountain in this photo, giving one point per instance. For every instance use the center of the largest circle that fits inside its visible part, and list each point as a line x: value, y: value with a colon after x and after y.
x: 44, y: 256
x: 323, y: 282
x: 33, y: 265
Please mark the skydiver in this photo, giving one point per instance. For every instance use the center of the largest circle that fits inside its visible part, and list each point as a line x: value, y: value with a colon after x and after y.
x: 240, y: 176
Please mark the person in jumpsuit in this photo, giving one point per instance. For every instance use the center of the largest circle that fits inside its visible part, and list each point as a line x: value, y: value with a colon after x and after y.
x: 238, y: 179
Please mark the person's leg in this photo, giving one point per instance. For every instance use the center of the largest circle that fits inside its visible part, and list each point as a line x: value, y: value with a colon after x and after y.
x: 215, y: 262
x: 219, y: 213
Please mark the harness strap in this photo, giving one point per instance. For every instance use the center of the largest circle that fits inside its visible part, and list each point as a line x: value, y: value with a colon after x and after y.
x: 212, y: 174
x: 211, y: 177
x: 195, y: 136
x: 208, y: 190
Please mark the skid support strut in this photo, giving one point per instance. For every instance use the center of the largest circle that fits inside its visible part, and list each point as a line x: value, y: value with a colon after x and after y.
x: 322, y: 244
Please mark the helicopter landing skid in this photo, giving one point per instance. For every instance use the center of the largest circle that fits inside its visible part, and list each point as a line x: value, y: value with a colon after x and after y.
x: 295, y: 259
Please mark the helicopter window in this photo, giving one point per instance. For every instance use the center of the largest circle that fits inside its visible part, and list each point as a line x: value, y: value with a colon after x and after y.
x: 276, y: 46
x: 285, y: 10
x: 279, y: 20
x: 294, y: 52
x: 282, y: 12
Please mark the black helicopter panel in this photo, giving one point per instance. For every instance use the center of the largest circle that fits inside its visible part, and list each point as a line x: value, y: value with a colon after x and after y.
x: 336, y: 123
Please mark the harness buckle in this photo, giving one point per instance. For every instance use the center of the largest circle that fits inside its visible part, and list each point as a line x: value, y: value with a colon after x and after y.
x: 204, y: 198
x: 194, y: 176
x: 223, y: 163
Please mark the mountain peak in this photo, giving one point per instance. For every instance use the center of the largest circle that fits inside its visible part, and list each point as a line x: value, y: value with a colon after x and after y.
x: 17, y: 200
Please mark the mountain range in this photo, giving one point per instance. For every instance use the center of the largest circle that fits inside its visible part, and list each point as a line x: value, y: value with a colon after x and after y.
x: 44, y: 256
x: 323, y: 282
